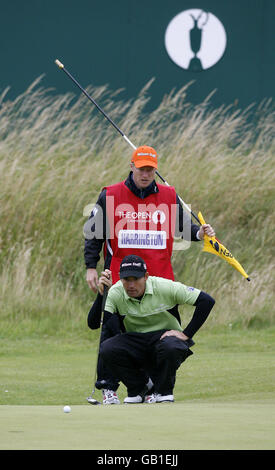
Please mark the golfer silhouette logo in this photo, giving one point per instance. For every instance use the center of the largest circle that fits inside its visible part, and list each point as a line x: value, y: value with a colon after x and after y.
x: 195, y: 40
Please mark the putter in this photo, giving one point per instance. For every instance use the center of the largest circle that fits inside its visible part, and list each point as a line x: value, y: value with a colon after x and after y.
x: 61, y: 66
x: 91, y: 400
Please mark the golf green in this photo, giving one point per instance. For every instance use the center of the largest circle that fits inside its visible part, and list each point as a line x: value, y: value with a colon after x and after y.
x: 186, y: 425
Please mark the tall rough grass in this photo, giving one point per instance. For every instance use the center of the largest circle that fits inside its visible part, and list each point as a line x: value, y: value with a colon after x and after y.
x: 57, y: 152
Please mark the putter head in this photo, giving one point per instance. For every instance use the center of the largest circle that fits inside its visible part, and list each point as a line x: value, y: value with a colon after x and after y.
x: 93, y: 401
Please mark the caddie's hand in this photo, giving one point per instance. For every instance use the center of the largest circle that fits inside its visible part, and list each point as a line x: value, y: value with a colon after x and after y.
x: 178, y: 334
x: 92, y: 279
x: 105, y: 280
x: 206, y: 229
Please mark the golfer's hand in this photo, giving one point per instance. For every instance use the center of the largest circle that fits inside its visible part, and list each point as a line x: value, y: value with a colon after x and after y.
x: 92, y: 279
x: 206, y: 229
x: 176, y: 333
x: 105, y: 280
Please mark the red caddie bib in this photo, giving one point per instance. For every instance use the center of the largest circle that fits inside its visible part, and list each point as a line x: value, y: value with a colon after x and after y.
x: 143, y: 227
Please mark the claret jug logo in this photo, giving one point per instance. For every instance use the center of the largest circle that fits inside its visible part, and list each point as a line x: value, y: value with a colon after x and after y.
x: 195, y: 40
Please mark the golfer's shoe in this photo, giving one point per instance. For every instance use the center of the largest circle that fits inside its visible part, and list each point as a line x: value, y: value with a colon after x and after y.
x: 148, y: 388
x: 110, y: 397
x: 136, y: 399
x: 152, y: 398
x: 164, y: 398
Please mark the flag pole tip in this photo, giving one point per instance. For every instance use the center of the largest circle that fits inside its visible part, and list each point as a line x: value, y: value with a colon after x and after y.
x: 248, y: 279
x: 59, y: 64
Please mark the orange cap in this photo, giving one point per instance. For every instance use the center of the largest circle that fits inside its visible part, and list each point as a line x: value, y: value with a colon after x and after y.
x: 145, y: 156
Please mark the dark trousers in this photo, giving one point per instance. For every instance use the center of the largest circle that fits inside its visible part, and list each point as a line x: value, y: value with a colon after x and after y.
x: 128, y: 354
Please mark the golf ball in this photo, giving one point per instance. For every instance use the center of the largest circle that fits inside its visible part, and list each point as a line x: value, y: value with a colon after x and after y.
x: 67, y: 409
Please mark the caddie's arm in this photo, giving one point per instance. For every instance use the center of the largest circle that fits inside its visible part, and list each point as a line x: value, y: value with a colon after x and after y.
x: 184, y: 226
x: 95, y: 236
x: 206, y: 229
x: 189, y: 231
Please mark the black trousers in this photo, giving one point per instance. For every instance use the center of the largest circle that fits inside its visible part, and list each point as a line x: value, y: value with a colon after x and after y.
x: 127, y: 354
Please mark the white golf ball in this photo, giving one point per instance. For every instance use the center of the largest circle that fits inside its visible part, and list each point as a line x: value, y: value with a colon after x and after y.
x: 67, y: 409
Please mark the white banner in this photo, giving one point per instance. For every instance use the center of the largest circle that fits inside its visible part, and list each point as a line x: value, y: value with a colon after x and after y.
x: 151, y: 239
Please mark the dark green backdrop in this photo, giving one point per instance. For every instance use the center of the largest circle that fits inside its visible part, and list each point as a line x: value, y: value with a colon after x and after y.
x: 121, y: 43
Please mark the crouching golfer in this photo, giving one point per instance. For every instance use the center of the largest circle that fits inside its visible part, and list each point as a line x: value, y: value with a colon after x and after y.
x: 153, y: 339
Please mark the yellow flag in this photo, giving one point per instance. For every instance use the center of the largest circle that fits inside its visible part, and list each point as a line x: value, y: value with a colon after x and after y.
x: 214, y: 246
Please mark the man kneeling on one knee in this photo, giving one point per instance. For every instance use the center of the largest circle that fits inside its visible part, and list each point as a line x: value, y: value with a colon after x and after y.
x: 152, y: 340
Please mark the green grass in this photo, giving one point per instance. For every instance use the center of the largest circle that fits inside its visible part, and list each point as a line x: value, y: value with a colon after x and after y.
x: 224, y: 397
x: 227, y: 365
x: 180, y: 426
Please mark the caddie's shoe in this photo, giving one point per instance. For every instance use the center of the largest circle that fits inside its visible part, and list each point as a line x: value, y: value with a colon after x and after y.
x: 110, y: 397
x: 136, y: 399
x: 152, y: 398
x: 164, y: 398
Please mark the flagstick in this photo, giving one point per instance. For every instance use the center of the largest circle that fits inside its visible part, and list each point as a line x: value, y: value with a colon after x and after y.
x: 61, y: 66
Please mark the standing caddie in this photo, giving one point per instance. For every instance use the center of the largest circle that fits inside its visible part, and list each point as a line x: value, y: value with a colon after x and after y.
x: 138, y: 216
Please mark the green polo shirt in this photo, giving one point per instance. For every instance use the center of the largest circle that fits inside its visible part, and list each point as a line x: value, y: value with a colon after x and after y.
x: 151, y: 312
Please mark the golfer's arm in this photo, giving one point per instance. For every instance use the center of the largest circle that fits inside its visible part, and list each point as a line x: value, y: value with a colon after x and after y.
x: 94, y: 314
x: 204, y: 305
x: 111, y: 325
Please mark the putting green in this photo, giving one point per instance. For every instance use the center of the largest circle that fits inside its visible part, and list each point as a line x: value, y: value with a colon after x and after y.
x: 177, y: 426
